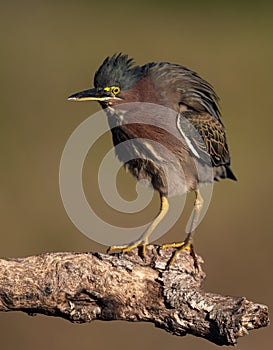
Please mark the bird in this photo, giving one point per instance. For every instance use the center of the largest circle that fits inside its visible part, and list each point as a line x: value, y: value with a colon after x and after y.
x: 186, y: 102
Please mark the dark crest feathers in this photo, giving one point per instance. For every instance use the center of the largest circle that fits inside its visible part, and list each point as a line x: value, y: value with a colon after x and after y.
x: 118, y: 70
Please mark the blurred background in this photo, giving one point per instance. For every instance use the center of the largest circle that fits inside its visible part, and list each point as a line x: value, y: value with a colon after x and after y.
x: 49, y: 50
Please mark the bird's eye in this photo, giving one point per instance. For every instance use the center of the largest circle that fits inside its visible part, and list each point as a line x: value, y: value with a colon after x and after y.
x: 115, y: 90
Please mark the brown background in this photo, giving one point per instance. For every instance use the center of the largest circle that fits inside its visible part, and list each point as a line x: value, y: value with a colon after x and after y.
x: 50, y: 50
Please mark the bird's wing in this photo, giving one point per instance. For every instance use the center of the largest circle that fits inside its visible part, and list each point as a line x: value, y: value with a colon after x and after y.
x: 180, y: 86
x: 213, y: 136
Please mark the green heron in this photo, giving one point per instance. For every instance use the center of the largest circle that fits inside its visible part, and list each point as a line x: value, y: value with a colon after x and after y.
x: 119, y: 80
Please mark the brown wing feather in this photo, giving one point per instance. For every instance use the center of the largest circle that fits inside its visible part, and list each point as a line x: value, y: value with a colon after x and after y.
x: 179, y: 85
x: 214, y: 136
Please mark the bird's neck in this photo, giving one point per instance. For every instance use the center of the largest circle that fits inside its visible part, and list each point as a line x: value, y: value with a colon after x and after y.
x: 114, y: 116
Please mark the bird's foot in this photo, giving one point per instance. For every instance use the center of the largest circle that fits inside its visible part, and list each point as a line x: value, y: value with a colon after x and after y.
x: 142, y: 244
x: 185, y: 245
x: 175, y: 245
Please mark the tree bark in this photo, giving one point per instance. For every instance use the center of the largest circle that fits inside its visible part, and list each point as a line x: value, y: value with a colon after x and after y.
x: 82, y: 287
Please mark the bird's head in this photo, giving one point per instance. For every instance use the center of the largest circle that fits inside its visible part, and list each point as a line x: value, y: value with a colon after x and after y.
x: 116, y: 75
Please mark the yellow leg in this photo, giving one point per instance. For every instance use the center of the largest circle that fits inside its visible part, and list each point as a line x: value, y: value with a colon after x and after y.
x: 187, y: 244
x: 144, y: 238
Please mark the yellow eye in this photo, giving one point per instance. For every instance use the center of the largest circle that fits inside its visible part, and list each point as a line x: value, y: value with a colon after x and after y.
x: 115, y: 90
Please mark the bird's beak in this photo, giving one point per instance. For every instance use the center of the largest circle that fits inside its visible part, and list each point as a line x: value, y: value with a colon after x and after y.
x: 92, y: 95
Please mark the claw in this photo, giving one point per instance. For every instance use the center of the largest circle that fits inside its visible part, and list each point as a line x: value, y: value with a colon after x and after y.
x: 175, y: 245
x: 127, y: 248
x: 186, y: 245
x: 115, y: 248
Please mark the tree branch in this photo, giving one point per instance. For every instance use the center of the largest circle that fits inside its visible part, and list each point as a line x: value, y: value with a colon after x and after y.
x: 82, y: 287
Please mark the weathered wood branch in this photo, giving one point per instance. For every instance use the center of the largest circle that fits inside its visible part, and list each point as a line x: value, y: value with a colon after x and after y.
x: 82, y: 287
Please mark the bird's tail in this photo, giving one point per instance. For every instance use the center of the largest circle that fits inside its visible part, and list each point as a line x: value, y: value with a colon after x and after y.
x: 230, y: 174
x: 223, y: 172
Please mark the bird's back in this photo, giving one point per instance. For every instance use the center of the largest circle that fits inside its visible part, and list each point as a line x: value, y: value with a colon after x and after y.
x: 194, y: 99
